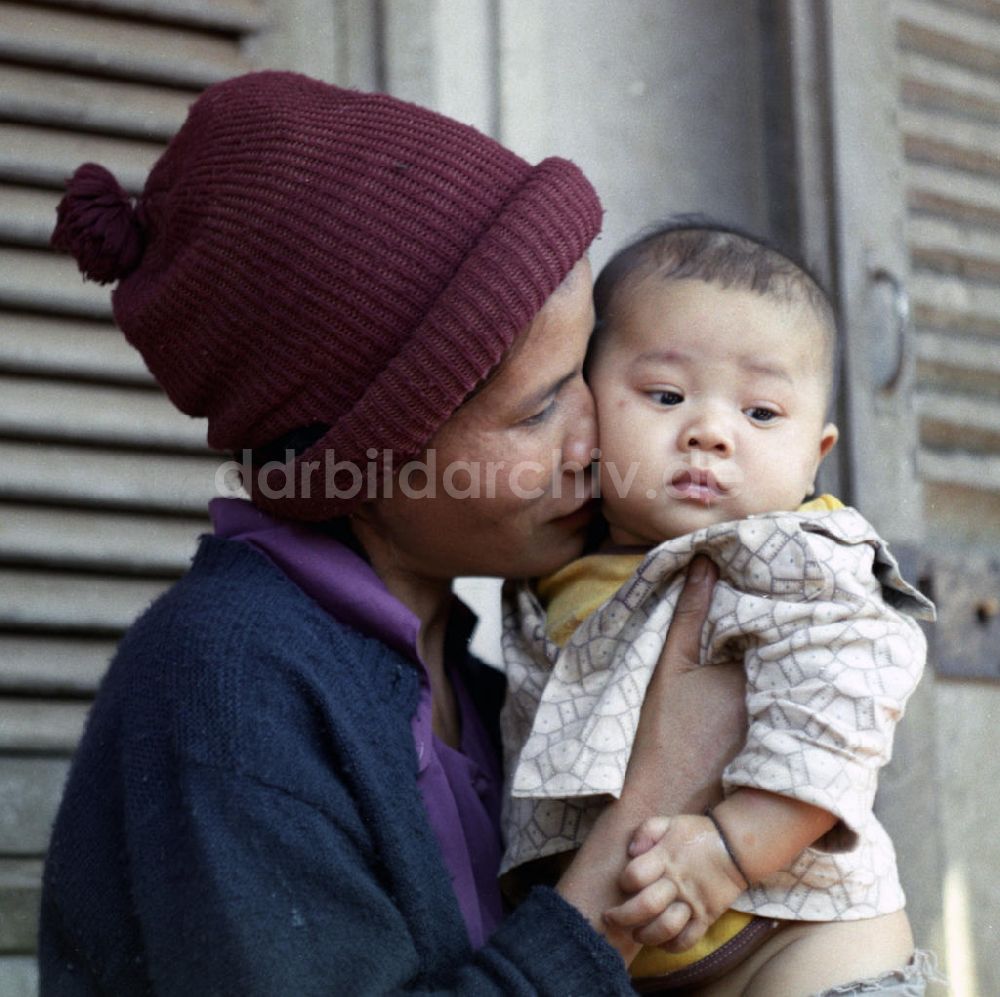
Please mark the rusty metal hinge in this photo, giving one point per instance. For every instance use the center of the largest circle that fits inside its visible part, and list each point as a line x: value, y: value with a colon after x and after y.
x: 965, y: 641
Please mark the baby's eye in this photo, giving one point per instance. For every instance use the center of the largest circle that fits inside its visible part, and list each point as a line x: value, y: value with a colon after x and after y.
x: 666, y: 396
x: 761, y: 414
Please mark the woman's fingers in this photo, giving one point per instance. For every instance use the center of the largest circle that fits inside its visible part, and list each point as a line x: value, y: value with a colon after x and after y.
x: 645, y: 907
x: 690, y: 934
x: 649, y: 832
x: 680, y: 653
x: 641, y: 872
x: 669, y: 927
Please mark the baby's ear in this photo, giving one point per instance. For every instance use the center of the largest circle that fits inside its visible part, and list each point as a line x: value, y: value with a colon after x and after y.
x: 828, y: 439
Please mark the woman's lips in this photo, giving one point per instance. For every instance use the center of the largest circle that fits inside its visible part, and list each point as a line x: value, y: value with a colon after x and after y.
x: 585, y: 505
x: 696, y: 485
x: 579, y: 516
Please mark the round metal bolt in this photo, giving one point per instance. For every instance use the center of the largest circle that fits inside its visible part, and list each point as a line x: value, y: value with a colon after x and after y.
x: 987, y: 609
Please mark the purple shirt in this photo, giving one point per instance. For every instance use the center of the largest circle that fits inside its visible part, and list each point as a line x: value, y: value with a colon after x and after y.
x: 460, y: 788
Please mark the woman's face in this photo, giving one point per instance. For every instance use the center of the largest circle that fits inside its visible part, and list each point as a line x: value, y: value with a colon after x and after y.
x: 504, y: 487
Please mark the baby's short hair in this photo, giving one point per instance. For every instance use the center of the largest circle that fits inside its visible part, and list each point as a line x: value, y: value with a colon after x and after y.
x: 696, y: 248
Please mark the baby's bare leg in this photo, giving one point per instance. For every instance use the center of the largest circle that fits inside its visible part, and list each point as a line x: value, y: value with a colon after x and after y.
x: 807, y: 958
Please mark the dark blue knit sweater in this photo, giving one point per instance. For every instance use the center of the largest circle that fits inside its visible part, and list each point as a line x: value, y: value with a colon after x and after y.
x: 242, y: 817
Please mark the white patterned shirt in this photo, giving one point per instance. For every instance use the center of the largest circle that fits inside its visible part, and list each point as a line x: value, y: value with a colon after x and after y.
x: 814, y: 605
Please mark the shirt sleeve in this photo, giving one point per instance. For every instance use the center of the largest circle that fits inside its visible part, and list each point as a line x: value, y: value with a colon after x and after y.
x: 828, y: 678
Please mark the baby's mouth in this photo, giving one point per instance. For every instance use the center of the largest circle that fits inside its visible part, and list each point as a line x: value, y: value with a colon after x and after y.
x: 697, y: 485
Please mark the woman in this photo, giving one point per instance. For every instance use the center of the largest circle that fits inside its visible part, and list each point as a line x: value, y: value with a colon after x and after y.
x: 288, y: 783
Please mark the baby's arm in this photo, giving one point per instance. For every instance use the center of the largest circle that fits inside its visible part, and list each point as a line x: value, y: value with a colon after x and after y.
x: 687, y: 870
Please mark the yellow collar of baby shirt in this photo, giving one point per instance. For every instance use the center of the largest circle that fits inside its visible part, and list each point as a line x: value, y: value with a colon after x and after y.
x: 572, y: 593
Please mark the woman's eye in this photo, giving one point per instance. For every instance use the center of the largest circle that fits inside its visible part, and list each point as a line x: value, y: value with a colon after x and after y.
x: 540, y: 416
x: 761, y: 414
x: 666, y: 397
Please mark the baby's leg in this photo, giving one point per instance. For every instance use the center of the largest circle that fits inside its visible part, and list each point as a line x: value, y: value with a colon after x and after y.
x: 805, y: 958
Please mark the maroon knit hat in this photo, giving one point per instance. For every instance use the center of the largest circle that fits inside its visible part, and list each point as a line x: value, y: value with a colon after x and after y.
x: 304, y: 254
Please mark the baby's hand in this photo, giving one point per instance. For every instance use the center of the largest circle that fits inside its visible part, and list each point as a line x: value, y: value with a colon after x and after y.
x: 682, y: 879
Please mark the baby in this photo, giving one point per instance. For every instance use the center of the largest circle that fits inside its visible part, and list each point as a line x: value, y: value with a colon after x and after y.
x: 712, y: 371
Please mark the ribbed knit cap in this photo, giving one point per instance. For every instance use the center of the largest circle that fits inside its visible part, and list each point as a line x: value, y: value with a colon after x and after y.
x: 305, y: 254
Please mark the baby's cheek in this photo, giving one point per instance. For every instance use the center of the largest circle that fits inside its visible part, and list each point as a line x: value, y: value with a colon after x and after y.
x: 791, y: 487
x: 619, y: 447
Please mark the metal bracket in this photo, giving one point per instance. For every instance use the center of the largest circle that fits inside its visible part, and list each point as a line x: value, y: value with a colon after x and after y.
x: 901, y: 314
x: 966, y: 637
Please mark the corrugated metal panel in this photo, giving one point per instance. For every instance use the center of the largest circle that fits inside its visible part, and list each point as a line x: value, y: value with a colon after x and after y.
x: 19, y: 879
x: 953, y: 420
x: 27, y: 215
x: 82, y: 103
x: 96, y: 541
x: 39, y: 409
x: 104, y: 485
x: 69, y: 348
x: 38, y: 281
x: 74, y: 40
x: 60, y: 666
x: 83, y: 477
x: 958, y: 470
x: 991, y: 8
x: 28, y: 787
x: 950, y: 122
x: 40, y: 726
x: 237, y: 16
x: 41, y: 157
x: 56, y: 601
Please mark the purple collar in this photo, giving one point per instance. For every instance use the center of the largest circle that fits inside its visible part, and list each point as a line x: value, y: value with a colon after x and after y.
x: 344, y: 584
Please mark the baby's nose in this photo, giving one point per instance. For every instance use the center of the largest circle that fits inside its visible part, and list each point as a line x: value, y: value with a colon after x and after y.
x: 708, y: 434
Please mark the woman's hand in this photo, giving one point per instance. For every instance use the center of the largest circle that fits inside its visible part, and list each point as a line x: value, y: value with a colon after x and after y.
x: 693, y: 719
x: 692, y: 722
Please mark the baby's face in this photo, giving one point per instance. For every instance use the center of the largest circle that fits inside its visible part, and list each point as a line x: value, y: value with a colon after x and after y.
x: 710, y: 407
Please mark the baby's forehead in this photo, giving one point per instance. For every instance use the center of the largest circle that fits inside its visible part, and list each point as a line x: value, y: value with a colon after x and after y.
x: 652, y: 297
x: 781, y: 291
x: 643, y: 304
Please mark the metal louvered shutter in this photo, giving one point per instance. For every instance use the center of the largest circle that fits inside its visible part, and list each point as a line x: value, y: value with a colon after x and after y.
x: 950, y: 123
x: 103, y: 485
x: 950, y: 119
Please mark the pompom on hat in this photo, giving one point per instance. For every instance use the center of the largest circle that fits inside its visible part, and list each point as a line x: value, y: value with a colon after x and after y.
x: 97, y: 223
x: 303, y: 254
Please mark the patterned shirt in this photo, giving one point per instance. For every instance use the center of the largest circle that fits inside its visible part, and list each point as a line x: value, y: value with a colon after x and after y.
x: 814, y: 606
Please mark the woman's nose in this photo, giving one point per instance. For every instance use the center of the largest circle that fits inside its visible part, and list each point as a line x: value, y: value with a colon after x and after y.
x: 581, y: 432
